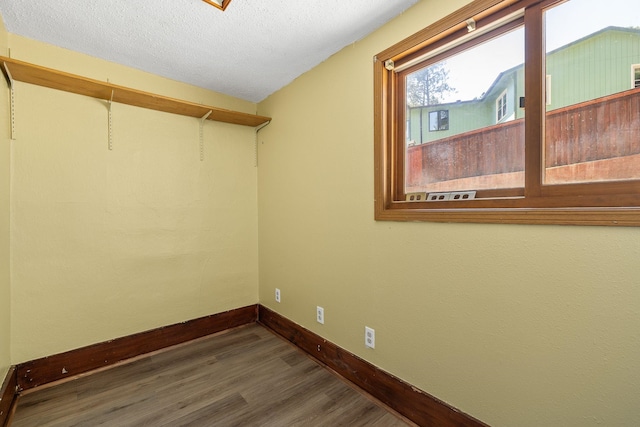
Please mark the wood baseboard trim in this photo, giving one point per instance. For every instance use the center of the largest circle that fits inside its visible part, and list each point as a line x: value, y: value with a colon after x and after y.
x: 8, y: 394
x: 414, y: 404
x: 79, y: 361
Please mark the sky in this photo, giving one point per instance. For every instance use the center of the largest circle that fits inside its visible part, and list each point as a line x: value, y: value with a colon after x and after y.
x: 473, y: 72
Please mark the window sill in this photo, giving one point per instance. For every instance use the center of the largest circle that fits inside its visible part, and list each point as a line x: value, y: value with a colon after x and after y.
x: 623, y: 216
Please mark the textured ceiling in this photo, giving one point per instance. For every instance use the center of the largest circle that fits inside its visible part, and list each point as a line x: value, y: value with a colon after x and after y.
x: 249, y: 51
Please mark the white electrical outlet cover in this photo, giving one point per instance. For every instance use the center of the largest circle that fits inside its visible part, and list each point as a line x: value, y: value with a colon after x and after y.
x: 369, y: 337
x: 320, y: 314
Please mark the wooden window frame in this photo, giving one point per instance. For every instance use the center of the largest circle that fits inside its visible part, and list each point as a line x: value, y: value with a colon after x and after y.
x: 606, y: 203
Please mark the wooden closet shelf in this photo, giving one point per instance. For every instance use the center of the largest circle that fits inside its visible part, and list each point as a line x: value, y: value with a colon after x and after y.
x: 54, y: 79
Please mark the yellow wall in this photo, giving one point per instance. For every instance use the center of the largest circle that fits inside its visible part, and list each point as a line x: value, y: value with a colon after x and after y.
x: 109, y: 243
x: 516, y: 325
x: 5, y: 159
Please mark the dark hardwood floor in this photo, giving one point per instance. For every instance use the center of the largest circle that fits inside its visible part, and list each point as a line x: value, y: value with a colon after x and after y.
x: 243, y: 377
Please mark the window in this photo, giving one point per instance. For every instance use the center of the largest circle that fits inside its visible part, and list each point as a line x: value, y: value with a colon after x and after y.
x: 567, y: 160
x: 501, y: 107
x: 438, y: 120
x: 547, y: 91
x: 635, y: 72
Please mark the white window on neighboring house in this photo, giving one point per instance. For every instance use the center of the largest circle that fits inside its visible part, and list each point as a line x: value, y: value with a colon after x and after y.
x: 635, y: 76
x: 547, y: 89
x: 438, y: 120
x: 501, y: 107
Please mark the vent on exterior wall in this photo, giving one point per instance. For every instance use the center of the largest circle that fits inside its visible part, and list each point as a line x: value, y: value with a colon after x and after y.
x: 220, y: 4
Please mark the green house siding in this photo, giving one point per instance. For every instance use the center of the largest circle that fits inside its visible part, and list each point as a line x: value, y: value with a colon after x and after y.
x: 466, y: 116
x: 593, y: 67
x: 463, y: 116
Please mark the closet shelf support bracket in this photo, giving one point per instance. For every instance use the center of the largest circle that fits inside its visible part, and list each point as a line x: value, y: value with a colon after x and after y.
x: 202, y: 119
x: 255, y: 144
x: 12, y: 96
x: 109, y: 104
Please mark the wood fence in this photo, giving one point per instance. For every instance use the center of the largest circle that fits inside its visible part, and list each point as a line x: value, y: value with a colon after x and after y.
x: 599, y: 129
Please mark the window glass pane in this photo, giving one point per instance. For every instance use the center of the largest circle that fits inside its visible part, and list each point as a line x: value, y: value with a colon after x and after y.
x: 465, y: 128
x: 433, y: 121
x: 593, y: 113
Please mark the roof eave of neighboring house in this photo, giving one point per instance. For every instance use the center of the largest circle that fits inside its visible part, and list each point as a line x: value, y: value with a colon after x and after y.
x: 635, y: 31
x: 447, y: 104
